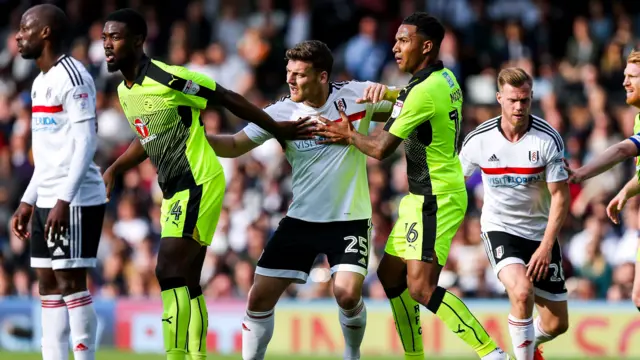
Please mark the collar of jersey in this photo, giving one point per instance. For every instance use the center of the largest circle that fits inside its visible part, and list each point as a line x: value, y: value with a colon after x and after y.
x: 143, y: 66
x: 525, y: 134
x: 424, y: 73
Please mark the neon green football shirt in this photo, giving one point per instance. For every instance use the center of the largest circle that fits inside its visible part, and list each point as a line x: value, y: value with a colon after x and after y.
x: 427, y: 115
x: 163, y: 108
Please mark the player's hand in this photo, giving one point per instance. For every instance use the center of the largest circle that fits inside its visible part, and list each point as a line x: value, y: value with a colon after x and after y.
x: 293, y: 130
x: 539, y: 264
x: 333, y: 132
x: 58, y: 221
x: 373, y: 93
x: 615, y: 206
x: 109, y: 178
x: 20, y: 220
x: 575, y: 176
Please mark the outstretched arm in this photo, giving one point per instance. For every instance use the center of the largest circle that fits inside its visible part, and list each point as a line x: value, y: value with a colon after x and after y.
x: 606, y: 160
x: 231, y: 146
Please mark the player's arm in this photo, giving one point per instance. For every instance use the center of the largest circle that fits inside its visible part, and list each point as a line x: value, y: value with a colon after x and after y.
x: 630, y: 189
x: 231, y: 146
x: 80, y: 106
x: 612, y: 156
x: 467, y: 156
x: 132, y: 157
x: 556, y: 177
x: 200, y: 91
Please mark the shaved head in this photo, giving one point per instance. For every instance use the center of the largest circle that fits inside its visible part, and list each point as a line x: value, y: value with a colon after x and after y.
x: 42, y: 26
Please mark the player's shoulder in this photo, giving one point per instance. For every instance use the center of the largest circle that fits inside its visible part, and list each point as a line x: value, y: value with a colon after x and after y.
x: 546, y: 132
x: 483, y: 130
x: 283, y: 105
x: 69, y: 72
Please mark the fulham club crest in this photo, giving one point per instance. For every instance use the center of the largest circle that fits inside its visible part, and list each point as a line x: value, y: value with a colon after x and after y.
x: 534, y: 155
x: 341, y: 105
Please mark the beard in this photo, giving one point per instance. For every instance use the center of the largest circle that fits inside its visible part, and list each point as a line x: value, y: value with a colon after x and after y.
x: 113, y: 67
x: 30, y: 53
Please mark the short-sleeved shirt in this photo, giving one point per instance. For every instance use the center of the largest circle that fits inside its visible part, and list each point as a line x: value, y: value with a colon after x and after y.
x: 163, y: 108
x: 60, y: 97
x: 427, y: 115
x: 515, y: 175
x: 329, y: 182
x: 635, y: 138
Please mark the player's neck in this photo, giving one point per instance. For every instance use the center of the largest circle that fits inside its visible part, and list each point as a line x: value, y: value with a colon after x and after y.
x: 513, y: 132
x: 428, y: 61
x: 47, y: 59
x: 130, y: 71
x: 320, y: 99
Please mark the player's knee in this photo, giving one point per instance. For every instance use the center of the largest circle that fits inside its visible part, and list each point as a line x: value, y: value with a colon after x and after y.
x: 421, y: 292
x: 166, y: 269
x: 48, y: 286
x: 556, y: 326
x: 347, y: 297
x: 260, y: 300
x: 522, y: 292
x: 72, y: 283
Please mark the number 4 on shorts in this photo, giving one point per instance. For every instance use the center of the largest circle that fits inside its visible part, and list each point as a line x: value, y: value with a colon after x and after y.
x: 176, y: 210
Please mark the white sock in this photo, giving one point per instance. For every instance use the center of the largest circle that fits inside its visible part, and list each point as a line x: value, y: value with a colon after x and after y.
x: 522, y: 337
x: 353, y: 323
x: 84, y: 325
x: 497, y: 354
x: 541, y: 336
x: 55, y: 328
x: 257, y: 329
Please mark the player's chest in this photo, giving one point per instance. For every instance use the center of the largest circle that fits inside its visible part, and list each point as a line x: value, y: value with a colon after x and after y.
x: 500, y: 157
x: 356, y: 114
x: 47, y: 109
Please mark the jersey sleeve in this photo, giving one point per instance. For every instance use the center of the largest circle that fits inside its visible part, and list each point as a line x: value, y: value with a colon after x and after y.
x: 257, y: 134
x: 468, y: 156
x: 554, y: 160
x: 359, y: 87
x: 410, y: 110
x: 192, y: 88
x: 79, y: 101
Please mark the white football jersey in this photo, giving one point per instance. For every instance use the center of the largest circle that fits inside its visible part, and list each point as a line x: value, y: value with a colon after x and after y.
x: 515, y: 175
x: 329, y: 181
x: 63, y: 95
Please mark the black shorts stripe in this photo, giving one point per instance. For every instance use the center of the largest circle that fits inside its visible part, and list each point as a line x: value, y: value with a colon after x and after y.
x: 74, y: 69
x: 193, y: 212
x: 553, y: 132
x: 429, y: 228
x: 66, y: 68
x: 484, y: 127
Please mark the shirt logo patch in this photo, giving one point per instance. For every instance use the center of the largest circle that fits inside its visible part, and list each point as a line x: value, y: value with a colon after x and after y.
x: 79, y: 96
x: 534, y: 155
x: 397, y: 108
x: 141, y: 128
x: 191, y: 88
x: 340, y: 104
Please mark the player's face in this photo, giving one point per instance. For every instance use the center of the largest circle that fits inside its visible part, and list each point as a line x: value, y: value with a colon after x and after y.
x: 410, y: 48
x: 304, y: 81
x: 632, y: 84
x: 515, y: 103
x: 29, y: 39
x: 118, y: 45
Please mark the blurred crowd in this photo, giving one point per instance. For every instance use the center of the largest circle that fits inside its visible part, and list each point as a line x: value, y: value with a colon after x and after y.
x: 576, y: 55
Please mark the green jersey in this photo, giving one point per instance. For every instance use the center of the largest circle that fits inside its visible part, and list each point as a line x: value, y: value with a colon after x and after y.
x: 163, y: 109
x: 427, y: 116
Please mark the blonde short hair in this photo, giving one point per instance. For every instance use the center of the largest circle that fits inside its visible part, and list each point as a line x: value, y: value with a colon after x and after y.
x: 634, y: 57
x: 513, y: 76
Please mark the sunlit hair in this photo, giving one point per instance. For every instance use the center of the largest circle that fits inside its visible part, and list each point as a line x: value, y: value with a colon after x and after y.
x: 634, y: 57
x: 513, y: 76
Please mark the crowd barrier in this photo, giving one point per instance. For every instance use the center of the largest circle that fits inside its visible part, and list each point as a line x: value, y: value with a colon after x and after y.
x: 311, y: 327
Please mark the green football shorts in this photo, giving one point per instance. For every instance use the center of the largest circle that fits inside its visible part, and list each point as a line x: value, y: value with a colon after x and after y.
x: 426, y: 226
x: 194, y: 212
